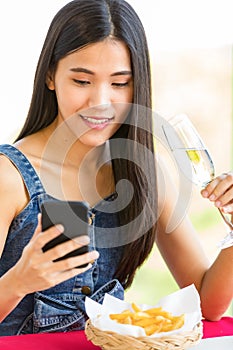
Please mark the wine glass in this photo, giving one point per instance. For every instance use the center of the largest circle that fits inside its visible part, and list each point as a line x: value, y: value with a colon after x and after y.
x: 185, y: 141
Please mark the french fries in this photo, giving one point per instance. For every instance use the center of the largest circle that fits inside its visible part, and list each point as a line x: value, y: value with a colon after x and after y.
x: 153, y: 320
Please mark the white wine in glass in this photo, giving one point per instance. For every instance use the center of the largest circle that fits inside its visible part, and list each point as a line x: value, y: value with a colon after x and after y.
x: 184, y: 139
x: 202, y: 166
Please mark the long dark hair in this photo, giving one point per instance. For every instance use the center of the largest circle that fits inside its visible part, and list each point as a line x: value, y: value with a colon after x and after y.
x: 80, y: 23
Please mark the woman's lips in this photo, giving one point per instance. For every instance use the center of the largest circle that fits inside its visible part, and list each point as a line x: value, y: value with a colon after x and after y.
x: 97, y: 123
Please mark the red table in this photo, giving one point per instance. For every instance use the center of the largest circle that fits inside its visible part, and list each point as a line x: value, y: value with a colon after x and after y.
x: 77, y: 340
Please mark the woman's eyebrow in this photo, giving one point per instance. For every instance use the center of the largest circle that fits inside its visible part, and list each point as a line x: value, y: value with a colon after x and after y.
x: 81, y: 70
x: 123, y: 72
x: 87, y: 71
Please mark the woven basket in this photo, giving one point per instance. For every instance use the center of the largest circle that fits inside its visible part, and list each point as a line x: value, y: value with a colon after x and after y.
x: 110, y: 340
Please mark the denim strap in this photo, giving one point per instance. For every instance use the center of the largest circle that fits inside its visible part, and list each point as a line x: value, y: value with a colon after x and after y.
x: 25, y: 168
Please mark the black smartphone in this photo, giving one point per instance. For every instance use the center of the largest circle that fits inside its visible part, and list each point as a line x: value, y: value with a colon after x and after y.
x: 73, y: 215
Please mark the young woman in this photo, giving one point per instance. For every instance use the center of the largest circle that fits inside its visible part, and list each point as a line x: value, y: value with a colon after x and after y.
x: 88, y: 137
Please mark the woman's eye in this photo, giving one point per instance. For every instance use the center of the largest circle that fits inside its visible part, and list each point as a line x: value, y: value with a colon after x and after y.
x: 81, y: 82
x: 120, y: 84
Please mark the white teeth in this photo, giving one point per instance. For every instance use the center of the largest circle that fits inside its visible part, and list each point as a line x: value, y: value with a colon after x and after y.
x: 96, y: 121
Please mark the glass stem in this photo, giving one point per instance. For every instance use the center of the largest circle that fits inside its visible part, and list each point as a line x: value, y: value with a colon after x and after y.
x: 227, y: 221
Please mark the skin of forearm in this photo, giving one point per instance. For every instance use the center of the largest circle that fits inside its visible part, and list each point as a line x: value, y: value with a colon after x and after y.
x: 9, y: 295
x: 217, y: 293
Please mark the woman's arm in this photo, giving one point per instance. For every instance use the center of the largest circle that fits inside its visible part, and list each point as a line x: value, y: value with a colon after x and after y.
x: 35, y: 270
x: 187, y: 261
x: 13, y: 198
x: 220, y: 275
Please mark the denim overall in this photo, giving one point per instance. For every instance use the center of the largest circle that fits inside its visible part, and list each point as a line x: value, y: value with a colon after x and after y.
x: 60, y: 308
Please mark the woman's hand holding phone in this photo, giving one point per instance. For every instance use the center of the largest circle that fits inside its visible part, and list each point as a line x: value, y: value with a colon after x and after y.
x: 38, y: 270
x: 73, y: 215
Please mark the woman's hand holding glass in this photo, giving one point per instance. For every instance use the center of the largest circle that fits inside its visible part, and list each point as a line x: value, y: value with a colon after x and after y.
x: 220, y: 192
x: 219, y: 189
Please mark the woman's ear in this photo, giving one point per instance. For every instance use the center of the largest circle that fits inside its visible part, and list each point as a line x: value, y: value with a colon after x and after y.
x: 50, y: 81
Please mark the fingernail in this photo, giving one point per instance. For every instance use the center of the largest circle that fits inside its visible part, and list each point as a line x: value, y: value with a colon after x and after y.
x: 60, y: 228
x: 205, y: 194
x: 94, y: 255
x: 212, y: 197
x: 82, y: 240
x: 217, y: 204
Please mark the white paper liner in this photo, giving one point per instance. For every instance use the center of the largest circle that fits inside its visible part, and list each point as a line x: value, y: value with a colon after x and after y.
x: 184, y: 301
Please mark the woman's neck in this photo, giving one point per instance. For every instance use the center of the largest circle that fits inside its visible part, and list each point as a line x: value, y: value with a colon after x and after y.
x: 61, y: 146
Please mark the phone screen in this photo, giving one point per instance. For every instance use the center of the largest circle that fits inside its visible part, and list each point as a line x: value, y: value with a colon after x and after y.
x: 73, y: 215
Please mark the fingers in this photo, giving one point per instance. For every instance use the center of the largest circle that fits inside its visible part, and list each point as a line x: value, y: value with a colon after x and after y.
x: 72, y: 262
x: 61, y: 276
x: 75, y: 262
x: 220, y: 191
x: 66, y: 247
x: 55, y: 230
x: 62, y: 249
x: 38, y: 270
x: 44, y: 268
x: 41, y: 238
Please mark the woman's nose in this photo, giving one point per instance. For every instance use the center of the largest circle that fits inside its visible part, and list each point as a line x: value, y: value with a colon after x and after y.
x: 100, y: 97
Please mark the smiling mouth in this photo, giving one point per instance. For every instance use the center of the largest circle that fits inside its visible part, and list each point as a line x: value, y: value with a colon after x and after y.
x: 96, y: 121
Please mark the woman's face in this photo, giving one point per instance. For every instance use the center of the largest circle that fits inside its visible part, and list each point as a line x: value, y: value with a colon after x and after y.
x: 94, y: 89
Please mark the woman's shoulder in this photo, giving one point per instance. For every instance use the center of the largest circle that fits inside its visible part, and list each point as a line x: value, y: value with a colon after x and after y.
x: 8, y: 172
x: 12, y: 188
